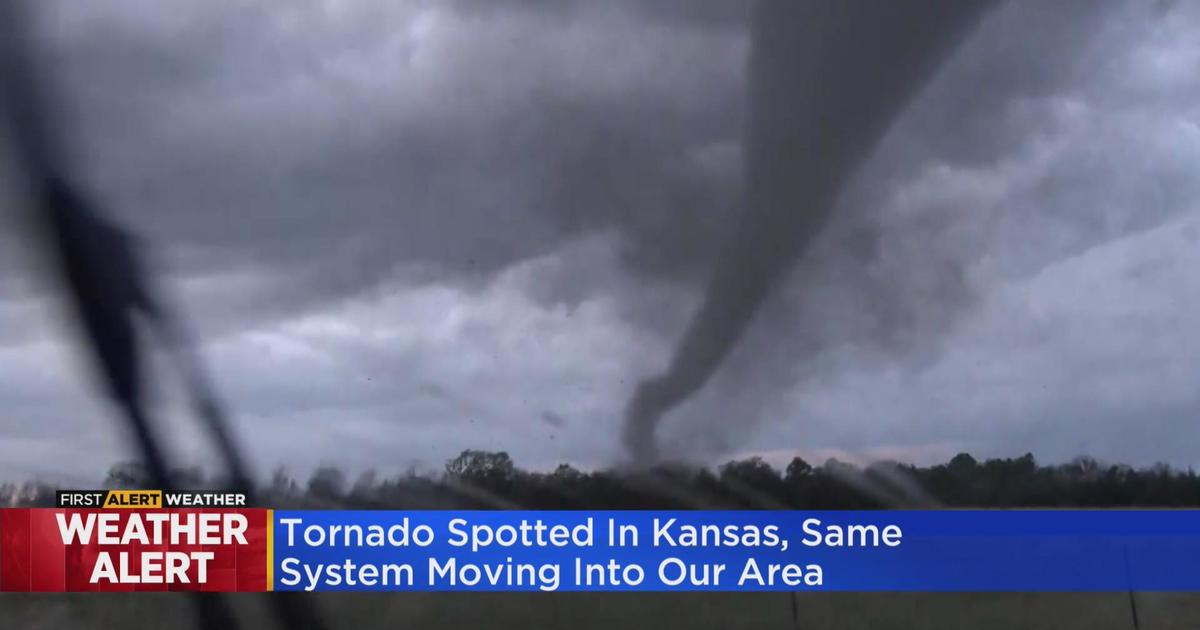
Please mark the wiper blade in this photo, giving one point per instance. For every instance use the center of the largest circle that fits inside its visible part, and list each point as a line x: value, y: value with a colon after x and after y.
x: 111, y: 294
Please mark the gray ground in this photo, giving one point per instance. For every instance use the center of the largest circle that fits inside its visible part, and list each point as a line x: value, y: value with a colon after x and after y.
x: 580, y: 611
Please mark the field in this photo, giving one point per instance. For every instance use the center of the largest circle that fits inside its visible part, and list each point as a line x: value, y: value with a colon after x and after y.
x: 583, y: 611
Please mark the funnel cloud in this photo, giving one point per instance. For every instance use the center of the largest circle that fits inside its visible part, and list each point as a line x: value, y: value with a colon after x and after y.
x: 825, y: 81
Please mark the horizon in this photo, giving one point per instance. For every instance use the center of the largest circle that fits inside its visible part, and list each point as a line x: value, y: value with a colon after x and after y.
x: 777, y: 464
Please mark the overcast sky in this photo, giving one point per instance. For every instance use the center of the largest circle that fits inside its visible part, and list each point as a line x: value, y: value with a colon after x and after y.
x: 406, y: 228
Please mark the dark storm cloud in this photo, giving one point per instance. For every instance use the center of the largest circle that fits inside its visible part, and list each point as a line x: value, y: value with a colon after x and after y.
x: 336, y: 143
x: 233, y: 136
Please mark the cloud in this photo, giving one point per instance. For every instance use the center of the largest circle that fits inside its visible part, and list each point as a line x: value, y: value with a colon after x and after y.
x: 1066, y: 362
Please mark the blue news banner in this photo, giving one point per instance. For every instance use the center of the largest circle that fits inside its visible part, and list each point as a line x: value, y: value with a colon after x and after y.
x: 1061, y: 550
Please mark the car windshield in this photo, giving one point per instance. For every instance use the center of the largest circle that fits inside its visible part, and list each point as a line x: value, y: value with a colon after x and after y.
x: 626, y: 254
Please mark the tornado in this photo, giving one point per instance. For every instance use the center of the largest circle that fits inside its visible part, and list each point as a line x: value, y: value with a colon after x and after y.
x: 825, y: 81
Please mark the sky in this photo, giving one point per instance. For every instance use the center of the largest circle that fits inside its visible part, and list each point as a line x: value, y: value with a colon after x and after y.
x: 404, y: 229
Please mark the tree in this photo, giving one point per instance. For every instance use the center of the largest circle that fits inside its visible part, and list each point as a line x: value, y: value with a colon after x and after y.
x: 366, y: 486
x: 752, y: 480
x: 326, y: 483
x: 492, y: 470
x: 797, y: 470
x: 753, y: 472
x: 567, y: 473
x: 962, y: 463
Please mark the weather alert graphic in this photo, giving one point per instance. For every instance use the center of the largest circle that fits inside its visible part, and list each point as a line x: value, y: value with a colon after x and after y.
x: 136, y: 540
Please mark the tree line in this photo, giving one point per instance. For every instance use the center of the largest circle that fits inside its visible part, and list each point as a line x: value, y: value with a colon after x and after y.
x: 491, y: 480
